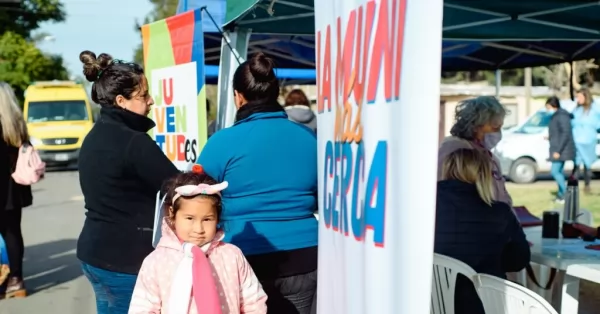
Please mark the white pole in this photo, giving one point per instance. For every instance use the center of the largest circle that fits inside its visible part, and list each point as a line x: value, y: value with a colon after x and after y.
x: 238, y: 40
x: 498, y: 82
x: 414, y: 157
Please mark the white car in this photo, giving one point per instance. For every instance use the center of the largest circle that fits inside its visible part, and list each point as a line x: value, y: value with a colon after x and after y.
x: 524, y: 150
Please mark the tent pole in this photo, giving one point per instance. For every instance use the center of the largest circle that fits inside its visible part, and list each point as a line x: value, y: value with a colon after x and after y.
x: 528, y: 81
x: 498, y: 82
x: 238, y: 40
x: 572, y: 94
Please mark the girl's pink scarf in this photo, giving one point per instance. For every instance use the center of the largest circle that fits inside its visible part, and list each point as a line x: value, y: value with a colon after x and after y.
x: 204, y: 287
x: 202, y: 283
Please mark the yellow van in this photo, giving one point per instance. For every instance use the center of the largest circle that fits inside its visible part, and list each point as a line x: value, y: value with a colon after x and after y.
x: 58, y: 116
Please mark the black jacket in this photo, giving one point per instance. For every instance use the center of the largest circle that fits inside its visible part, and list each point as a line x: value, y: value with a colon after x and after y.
x: 490, y: 240
x: 120, y: 170
x: 18, y: 196
x: 560, y: 135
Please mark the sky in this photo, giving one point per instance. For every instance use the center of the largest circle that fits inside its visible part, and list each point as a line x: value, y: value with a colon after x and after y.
x: 96, y: 25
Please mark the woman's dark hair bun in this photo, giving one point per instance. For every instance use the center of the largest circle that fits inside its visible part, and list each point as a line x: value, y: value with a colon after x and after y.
x: 262, y: 67
x: 92, y: 65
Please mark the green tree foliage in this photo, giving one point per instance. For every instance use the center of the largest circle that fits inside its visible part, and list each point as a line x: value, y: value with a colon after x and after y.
x: 22, y: 63
x: 24, y: 17
x: 161, y: 9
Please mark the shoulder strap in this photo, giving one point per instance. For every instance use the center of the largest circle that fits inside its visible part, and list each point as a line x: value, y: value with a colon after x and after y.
x: 531, y: 275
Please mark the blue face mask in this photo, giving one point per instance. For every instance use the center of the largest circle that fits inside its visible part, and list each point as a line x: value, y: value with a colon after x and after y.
x: 551, y: 111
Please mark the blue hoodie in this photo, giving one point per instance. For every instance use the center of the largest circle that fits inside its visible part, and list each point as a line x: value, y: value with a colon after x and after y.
x: 271, y: 166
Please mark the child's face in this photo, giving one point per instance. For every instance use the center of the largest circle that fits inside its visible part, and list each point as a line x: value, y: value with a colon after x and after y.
x: 196, y: 221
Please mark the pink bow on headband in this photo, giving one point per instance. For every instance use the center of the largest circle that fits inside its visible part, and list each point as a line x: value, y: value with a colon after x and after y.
x: 202, y: 188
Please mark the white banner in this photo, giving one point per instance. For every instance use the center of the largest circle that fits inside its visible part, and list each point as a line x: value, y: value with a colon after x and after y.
x: 378, y: 75
x: 176, y: 113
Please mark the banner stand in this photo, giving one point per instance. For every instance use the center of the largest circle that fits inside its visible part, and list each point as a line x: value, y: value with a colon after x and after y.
x: 378, y: 78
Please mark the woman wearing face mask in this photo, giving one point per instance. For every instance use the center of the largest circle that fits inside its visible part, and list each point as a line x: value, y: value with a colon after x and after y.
x: 586, y: 122
x: 478, y: 125
x: 120, y: 170
x: 270, y: 163
x: 562, y: 147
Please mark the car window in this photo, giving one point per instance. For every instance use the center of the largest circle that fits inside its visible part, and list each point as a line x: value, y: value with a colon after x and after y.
x: 536, y: 124
x: 64, y: 110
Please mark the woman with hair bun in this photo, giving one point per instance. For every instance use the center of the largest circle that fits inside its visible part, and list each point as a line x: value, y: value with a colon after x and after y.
x: 120, y: 170
x: 271, y: 164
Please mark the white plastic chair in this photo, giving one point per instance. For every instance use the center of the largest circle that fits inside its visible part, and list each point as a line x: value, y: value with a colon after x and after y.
x: 443, y: 282
x: 501, y: 296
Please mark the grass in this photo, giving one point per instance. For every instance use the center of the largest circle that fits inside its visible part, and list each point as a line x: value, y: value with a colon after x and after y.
x: 539, y: 197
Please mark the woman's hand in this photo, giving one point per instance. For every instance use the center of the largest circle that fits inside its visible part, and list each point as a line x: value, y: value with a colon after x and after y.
x: 591, y: 231
x: 555, y: 155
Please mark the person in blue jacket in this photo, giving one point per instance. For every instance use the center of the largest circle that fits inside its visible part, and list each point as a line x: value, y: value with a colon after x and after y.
x: 586, y: 122
x: 270, y: 163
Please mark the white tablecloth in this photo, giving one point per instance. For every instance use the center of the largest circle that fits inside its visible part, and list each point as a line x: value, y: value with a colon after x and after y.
x: 560, y: 253
x: 568, y: 255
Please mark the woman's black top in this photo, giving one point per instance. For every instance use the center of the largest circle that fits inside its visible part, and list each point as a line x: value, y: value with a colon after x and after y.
x: 120, y: 171
x: 489, y: 239
x: 18, y: 196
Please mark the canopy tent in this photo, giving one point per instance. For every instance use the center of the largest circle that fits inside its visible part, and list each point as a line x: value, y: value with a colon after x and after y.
x: 287, y: 76
x: 545, y: 22
x: 516, y: 34
x: 503, y: 20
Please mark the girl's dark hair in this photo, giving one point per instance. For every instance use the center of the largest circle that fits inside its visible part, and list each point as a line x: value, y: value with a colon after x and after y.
x: 110, y: 77
x: 554, y: 102
x: 256, y: 80
x: 296, y: 97
x: 188, y: 178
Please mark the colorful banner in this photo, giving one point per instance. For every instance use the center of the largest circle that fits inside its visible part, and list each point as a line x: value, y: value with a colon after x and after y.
x: 378, y: 69
x: 174, y: 64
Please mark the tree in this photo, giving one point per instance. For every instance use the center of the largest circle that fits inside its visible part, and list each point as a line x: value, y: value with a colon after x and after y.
x: 26, y: 16
x: 162, y: 9
x: 22, y: 63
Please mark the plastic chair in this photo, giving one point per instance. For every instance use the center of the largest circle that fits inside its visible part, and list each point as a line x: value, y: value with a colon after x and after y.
x: 443, y: 282
x: 501, y: 296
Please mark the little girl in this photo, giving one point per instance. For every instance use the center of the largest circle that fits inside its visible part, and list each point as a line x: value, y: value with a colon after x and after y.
x: 192, y: 271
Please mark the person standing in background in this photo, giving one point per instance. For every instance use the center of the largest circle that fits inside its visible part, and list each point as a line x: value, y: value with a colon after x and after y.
x: 562, y: 147
x: 13, y: 195
x: 298, y: 109
x: 120, y: 171
x: 586, y: 122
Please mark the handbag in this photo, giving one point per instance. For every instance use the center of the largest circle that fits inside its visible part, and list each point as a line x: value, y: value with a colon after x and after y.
x: 30, y: 168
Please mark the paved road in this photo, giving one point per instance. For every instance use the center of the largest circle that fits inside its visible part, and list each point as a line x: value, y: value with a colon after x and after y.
x: 52, y: 272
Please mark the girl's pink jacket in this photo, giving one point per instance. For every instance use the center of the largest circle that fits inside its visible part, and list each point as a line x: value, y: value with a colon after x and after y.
x: 238, y: 287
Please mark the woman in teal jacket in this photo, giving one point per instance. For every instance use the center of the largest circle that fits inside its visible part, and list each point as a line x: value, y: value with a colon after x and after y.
x: 270, y: 163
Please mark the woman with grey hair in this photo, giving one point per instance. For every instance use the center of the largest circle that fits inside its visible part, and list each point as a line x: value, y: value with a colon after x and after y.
x: 478, y: 125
